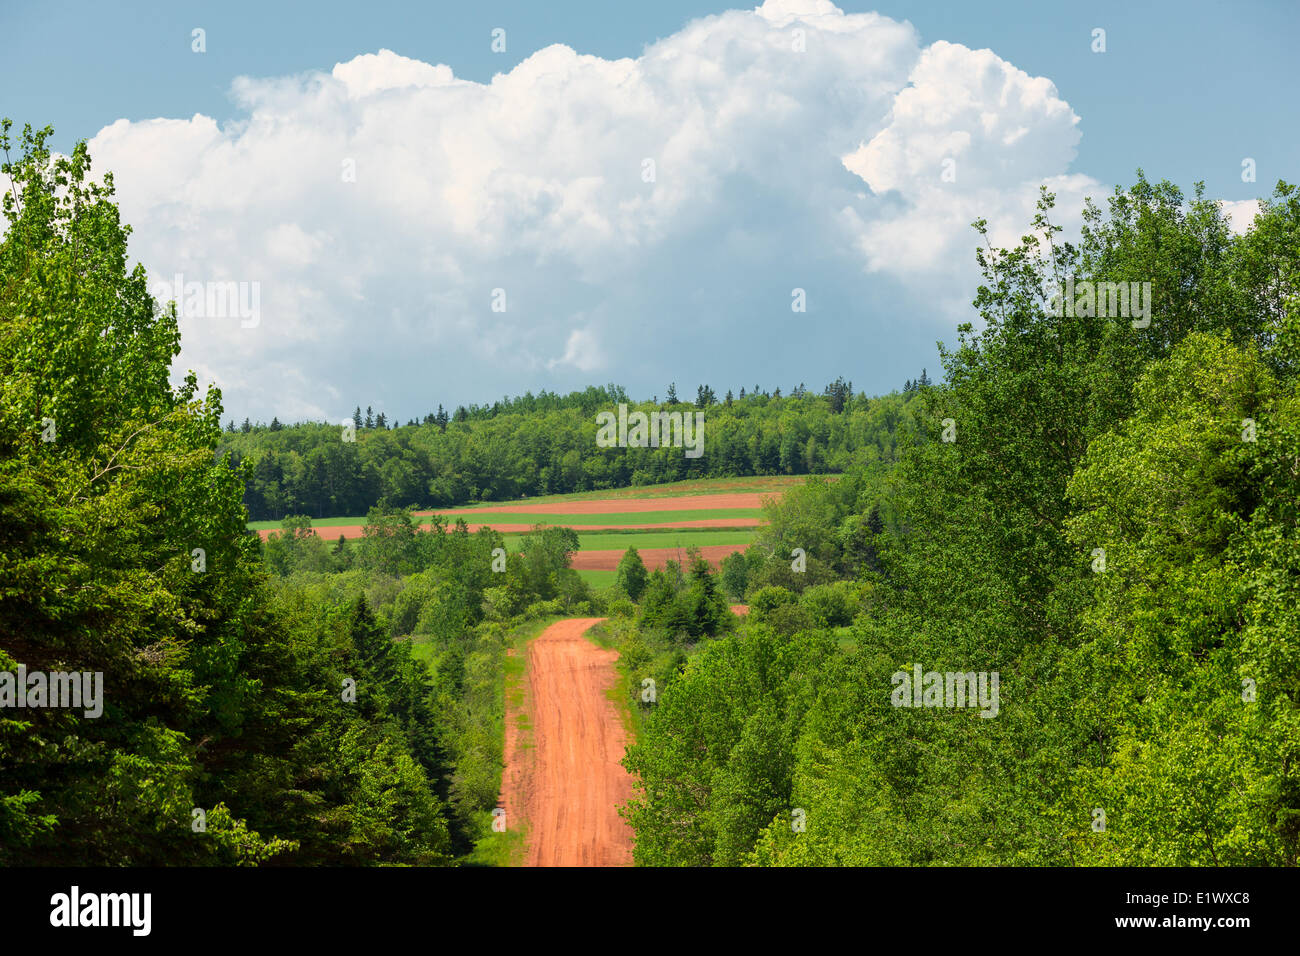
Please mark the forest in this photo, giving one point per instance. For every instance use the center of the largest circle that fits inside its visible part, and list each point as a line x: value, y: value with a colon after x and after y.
x: 540, y: 445
x: 1104, y: 516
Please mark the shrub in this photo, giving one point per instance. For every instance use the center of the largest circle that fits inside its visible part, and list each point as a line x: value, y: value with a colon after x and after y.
x: 829, y: 605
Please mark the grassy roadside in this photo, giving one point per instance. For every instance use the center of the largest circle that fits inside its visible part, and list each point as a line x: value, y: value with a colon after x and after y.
x: 620, y: 692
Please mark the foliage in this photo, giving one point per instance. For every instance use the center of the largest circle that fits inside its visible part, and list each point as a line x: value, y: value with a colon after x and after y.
x: 1113, y: 532
x: 539, y: 445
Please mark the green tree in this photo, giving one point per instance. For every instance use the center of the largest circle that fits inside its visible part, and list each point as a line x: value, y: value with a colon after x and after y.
x: 735, y: 575
x: 124, y: 553
x: 631, y: 576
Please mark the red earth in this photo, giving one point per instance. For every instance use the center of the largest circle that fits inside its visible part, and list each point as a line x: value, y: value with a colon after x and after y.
x: 566, y: 783
x: 663, y: 525
x: 654, y: 558
x: 328, y: 533
x: 605, y: 506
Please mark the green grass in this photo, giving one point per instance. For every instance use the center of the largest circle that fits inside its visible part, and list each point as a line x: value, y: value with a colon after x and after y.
x: 621, y: 691
x: 598, y: 579
x: 677, y: 489
x: 629, y: 517
x: 496, y: 517
x: 422, y: 648
x: 315, y: 523
x: 620, y: 541
x: 498, y: 849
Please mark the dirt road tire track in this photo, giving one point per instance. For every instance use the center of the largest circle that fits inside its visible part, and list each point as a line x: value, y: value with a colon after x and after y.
x: 566, y: 782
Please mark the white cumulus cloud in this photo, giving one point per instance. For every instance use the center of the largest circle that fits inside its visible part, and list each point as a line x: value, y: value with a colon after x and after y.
x: 647, y: 218
x: 1240, y: 212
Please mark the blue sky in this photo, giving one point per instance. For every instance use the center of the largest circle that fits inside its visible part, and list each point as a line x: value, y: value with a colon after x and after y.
x: 773, y: 173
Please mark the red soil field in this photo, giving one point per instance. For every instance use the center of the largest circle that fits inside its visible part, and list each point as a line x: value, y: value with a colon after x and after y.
x: 663, y: 525
x: 605, y: 506
x: 328, y: 533
x: 654, y: 558
x: 567, y: 786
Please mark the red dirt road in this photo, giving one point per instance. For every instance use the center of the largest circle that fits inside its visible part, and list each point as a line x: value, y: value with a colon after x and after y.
x: 567, y: 783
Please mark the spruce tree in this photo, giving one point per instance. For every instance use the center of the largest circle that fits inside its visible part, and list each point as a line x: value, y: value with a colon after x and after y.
x: 631, y: 576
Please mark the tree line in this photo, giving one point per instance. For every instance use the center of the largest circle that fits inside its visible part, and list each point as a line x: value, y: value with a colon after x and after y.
x: 547, y: 445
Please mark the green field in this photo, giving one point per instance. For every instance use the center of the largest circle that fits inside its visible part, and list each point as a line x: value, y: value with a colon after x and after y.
x: 631, y: 517
x: 622, y: 540
x: 677, y: 489
x: 499, y: 511
x: 610, y: 539
x: 494, y: 517
x: 315, y: 523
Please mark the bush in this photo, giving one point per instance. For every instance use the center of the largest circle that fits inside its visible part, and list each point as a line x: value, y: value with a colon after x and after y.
x: 769, y: 598
x: 829, y: 605
x: 621, y: 608
x: 547, y: 608
x: 775, y: 571
x: 788, y: 619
